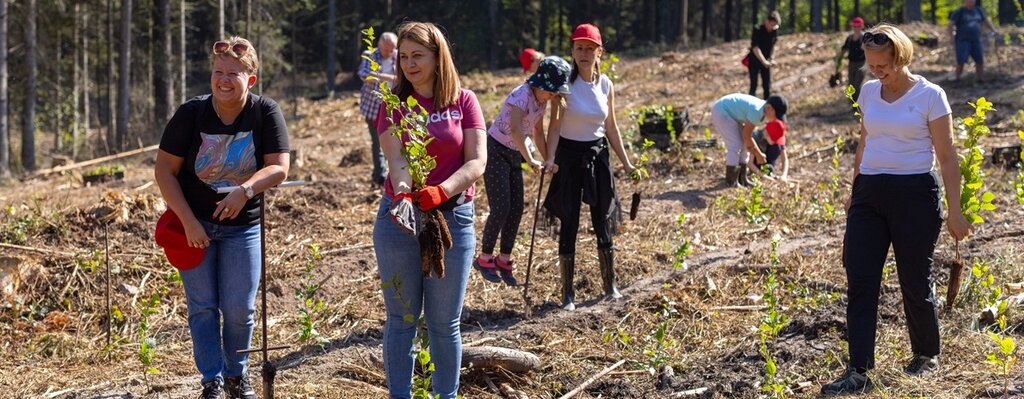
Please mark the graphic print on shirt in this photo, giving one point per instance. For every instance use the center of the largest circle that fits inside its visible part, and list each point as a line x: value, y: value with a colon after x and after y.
x: 226, y: 160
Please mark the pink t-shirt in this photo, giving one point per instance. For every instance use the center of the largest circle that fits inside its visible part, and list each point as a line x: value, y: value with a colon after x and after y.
x: 446, y: 127
x: 533, y: 111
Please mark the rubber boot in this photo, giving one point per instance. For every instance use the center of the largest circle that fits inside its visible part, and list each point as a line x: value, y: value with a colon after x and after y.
x: 606, y: 258
x: 744, y: 176
x: 732, y: 174
x: 568, y: 265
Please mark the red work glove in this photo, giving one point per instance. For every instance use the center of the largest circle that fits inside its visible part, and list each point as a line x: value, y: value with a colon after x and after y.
x: 430, y: 197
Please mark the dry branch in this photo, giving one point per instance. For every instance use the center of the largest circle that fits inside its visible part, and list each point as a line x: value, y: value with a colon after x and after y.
x: 593, y: 379
x: 94, y: 161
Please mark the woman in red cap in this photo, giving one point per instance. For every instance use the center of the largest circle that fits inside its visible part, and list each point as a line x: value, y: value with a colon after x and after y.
x: 228, y: 138
x: 578, y: 156
x: 855, y: 62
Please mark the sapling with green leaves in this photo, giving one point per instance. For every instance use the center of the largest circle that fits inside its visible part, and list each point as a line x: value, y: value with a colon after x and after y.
x: 311, y: 304
x: 771, y: 324
x: 147, y: 345
x: 639, y: 174
x: 1018, y: 183
x: 608, y: 64
x: 972, y: 199
x: 754, y: 208
x: 1005, y: 355
x: 683, y: 249
x: 658, y: 341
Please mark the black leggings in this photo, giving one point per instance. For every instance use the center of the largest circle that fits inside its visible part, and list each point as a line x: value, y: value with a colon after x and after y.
x: 766, y: 77
x: 503, y: 180
x: 902, y: 211
x: 579, y: 163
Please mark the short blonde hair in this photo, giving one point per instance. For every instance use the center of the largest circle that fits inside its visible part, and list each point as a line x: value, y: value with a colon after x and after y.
x: 899, y: 44
x: 446, y: 77
x: 248, y: 57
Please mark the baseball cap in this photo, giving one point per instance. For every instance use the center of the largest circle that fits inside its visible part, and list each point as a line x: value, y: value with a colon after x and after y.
x: 587, y: 32
x: 780, y: 105
x: 552, y: 75
x: 526, y: 58
x: 170, y: 234
x: 857, y: 21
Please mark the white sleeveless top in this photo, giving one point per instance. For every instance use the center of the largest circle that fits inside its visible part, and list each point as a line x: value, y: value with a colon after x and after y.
x: 586, y: 109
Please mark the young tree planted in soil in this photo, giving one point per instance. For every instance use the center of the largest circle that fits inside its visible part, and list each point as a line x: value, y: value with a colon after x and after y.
x: 638, y: 175
x: 971, y: 204
x: 771, y: 323
x: 1005, y: 355
x: 683, y: 249
x: 147, y: 344
x: 1018, y: 183
x: 311, y: 304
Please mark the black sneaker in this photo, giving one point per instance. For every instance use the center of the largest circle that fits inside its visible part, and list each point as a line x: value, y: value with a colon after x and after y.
x: 212, y: 390
x: 239, y: 388
x: 852, y: 381
x: 922, y: 365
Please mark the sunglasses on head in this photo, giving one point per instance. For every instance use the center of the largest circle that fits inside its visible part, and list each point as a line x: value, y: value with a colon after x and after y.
x: 876, y: 38
x: 223, y: 46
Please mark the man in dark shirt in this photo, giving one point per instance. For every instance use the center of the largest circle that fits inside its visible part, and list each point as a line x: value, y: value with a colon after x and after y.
x: 855, y: 64
x: 762, y: 42
x: 965, y: 29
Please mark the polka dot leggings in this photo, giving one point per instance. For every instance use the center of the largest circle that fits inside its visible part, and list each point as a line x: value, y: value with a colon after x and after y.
x: 503, y: 180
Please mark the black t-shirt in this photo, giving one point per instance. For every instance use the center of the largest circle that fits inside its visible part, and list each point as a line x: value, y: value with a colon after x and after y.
x: 764, y: 40
x: 854, y: 47
x: 220, y: 156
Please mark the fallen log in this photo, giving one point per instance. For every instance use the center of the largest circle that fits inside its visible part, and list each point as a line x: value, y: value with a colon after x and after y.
x: 591, y: 380
x: 94, y: 161
x: 493, y: 357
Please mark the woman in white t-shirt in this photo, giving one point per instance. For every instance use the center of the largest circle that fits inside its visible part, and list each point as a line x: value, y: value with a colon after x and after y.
x: 578, y: 156
x: 907, y: 129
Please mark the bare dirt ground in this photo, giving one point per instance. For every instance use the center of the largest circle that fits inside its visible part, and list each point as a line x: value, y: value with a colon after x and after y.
x: 53, y: 314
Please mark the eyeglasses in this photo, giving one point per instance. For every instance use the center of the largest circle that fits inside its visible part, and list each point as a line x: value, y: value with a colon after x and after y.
x: 879, y: 38
x: 222, y: 47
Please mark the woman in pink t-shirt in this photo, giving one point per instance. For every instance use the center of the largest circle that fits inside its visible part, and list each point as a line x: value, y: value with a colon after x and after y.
x: 507, y: 148
x: 454, y: 121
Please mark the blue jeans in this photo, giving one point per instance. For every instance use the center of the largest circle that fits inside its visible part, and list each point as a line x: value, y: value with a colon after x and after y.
x: 224, y: 284
x: 972, y: 48
x: 440, y: 300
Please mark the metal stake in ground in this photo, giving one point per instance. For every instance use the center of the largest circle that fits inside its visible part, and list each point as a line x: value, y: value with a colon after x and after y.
x: 267, y: 369
x: 529, y: 259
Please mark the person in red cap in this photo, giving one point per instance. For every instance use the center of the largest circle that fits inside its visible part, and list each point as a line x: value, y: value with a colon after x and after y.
x: 578, y: 154
x: 230, y: 138
x: 855, y: 62
x: 529, y: 59
x: 774, y: 151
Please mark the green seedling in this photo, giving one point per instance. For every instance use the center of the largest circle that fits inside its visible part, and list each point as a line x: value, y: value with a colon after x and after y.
x: 657, y: 342
x: 972, y: 200
x: 311, y: 305
x: 641, y: 172
x: 1018, y: 183
x: 684, y: 249
x: 1005, y: 355
x: 147, y: 344
x: 105, y: 170
x: 754, y: 207
x: 608, y: 65
x: 771, y: 324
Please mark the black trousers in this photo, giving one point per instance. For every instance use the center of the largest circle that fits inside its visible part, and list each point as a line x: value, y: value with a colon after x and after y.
x: 757, y: 69
x: 903, y: 211
x: 503, y: 180
x: 584, y: 175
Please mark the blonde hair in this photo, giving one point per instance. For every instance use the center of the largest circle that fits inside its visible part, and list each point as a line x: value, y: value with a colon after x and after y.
x: 248, y: 58
x: 899, y: 44
x: 446, y: 78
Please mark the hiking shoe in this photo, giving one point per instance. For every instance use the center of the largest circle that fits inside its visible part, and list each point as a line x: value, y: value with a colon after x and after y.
x: 505, y: 269
x: 851, y: 382
x: 238, y: 388
x: 212, y: 390
x: 486, y: 266
x: 922, y: 365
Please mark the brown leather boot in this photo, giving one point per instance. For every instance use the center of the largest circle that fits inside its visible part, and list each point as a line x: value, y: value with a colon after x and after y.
x: 568, y: 265
x: 606, y: 258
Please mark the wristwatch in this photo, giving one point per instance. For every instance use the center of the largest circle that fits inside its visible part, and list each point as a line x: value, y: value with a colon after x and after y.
x: 248, y: 192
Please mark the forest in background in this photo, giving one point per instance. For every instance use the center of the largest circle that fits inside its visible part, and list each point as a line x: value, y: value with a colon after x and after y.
x: 80, y: 79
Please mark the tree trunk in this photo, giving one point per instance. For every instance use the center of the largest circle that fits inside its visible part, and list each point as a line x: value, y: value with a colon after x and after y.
x: 1007, y: 12
x: 58, y: 94
x: 125, y: 75
x: 220, y: 20
x: 705, y: 23
x: 856, y: 7
x: 76, y: 77
x: 816, y: 16
x: 85, y: 80
x: 5, y: 138
x: 332, y: 20
x: 493, y: 357
x: 792, y: 15
x: 684, y: 24
x: 934, y: 12
x: 295, y: 76
x: 492, y: 50
x: 28, y: 134
x: 756, y: 8
x: 728, y: 21
x: 163, y: 79
x: 108, y: 105
x: 248, y: 19
x: 182, y: 56
x: 912, y: 11
x: 542, y: 32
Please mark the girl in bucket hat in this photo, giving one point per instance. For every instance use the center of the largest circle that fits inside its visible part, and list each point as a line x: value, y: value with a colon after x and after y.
x: 507, y: 147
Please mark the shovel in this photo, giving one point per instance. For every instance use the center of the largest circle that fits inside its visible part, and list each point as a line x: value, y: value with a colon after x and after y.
x: 267, y: 369
x: 529, y: 259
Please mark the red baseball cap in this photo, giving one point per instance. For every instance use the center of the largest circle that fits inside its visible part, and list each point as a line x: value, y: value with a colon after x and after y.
x: 526, y: 58
x: 587, y: 32
x: 776, y: 131
x: 857, y: 21
x: 170, y: 234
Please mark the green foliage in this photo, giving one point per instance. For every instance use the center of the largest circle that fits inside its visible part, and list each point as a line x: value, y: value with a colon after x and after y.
x: 18, y: 224
x: 421, y: 383
x: 105, y: 170
x: 982, y: 288
x: 754, y: 208
x: 683, y: 249
x: 850, y: 91
x: 91, y: 263
x: 663, y: 112
x: 1018, y: 183
x: 311, y: 305
x: 771, y: 323
x: 412, y: 123
x: 1004, y: 357
x: 972, y: 200
x: 147, y: 345
x: 608, y: 64
x: 641, y: 172
x: 657, y: 342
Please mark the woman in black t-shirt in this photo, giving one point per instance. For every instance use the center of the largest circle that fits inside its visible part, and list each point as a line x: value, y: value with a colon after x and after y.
x: 228, y: 138
x: 762, y: 45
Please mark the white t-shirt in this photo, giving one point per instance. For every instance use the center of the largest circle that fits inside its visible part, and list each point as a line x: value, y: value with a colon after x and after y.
x: 898, y: 140
x: 586, y: 109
